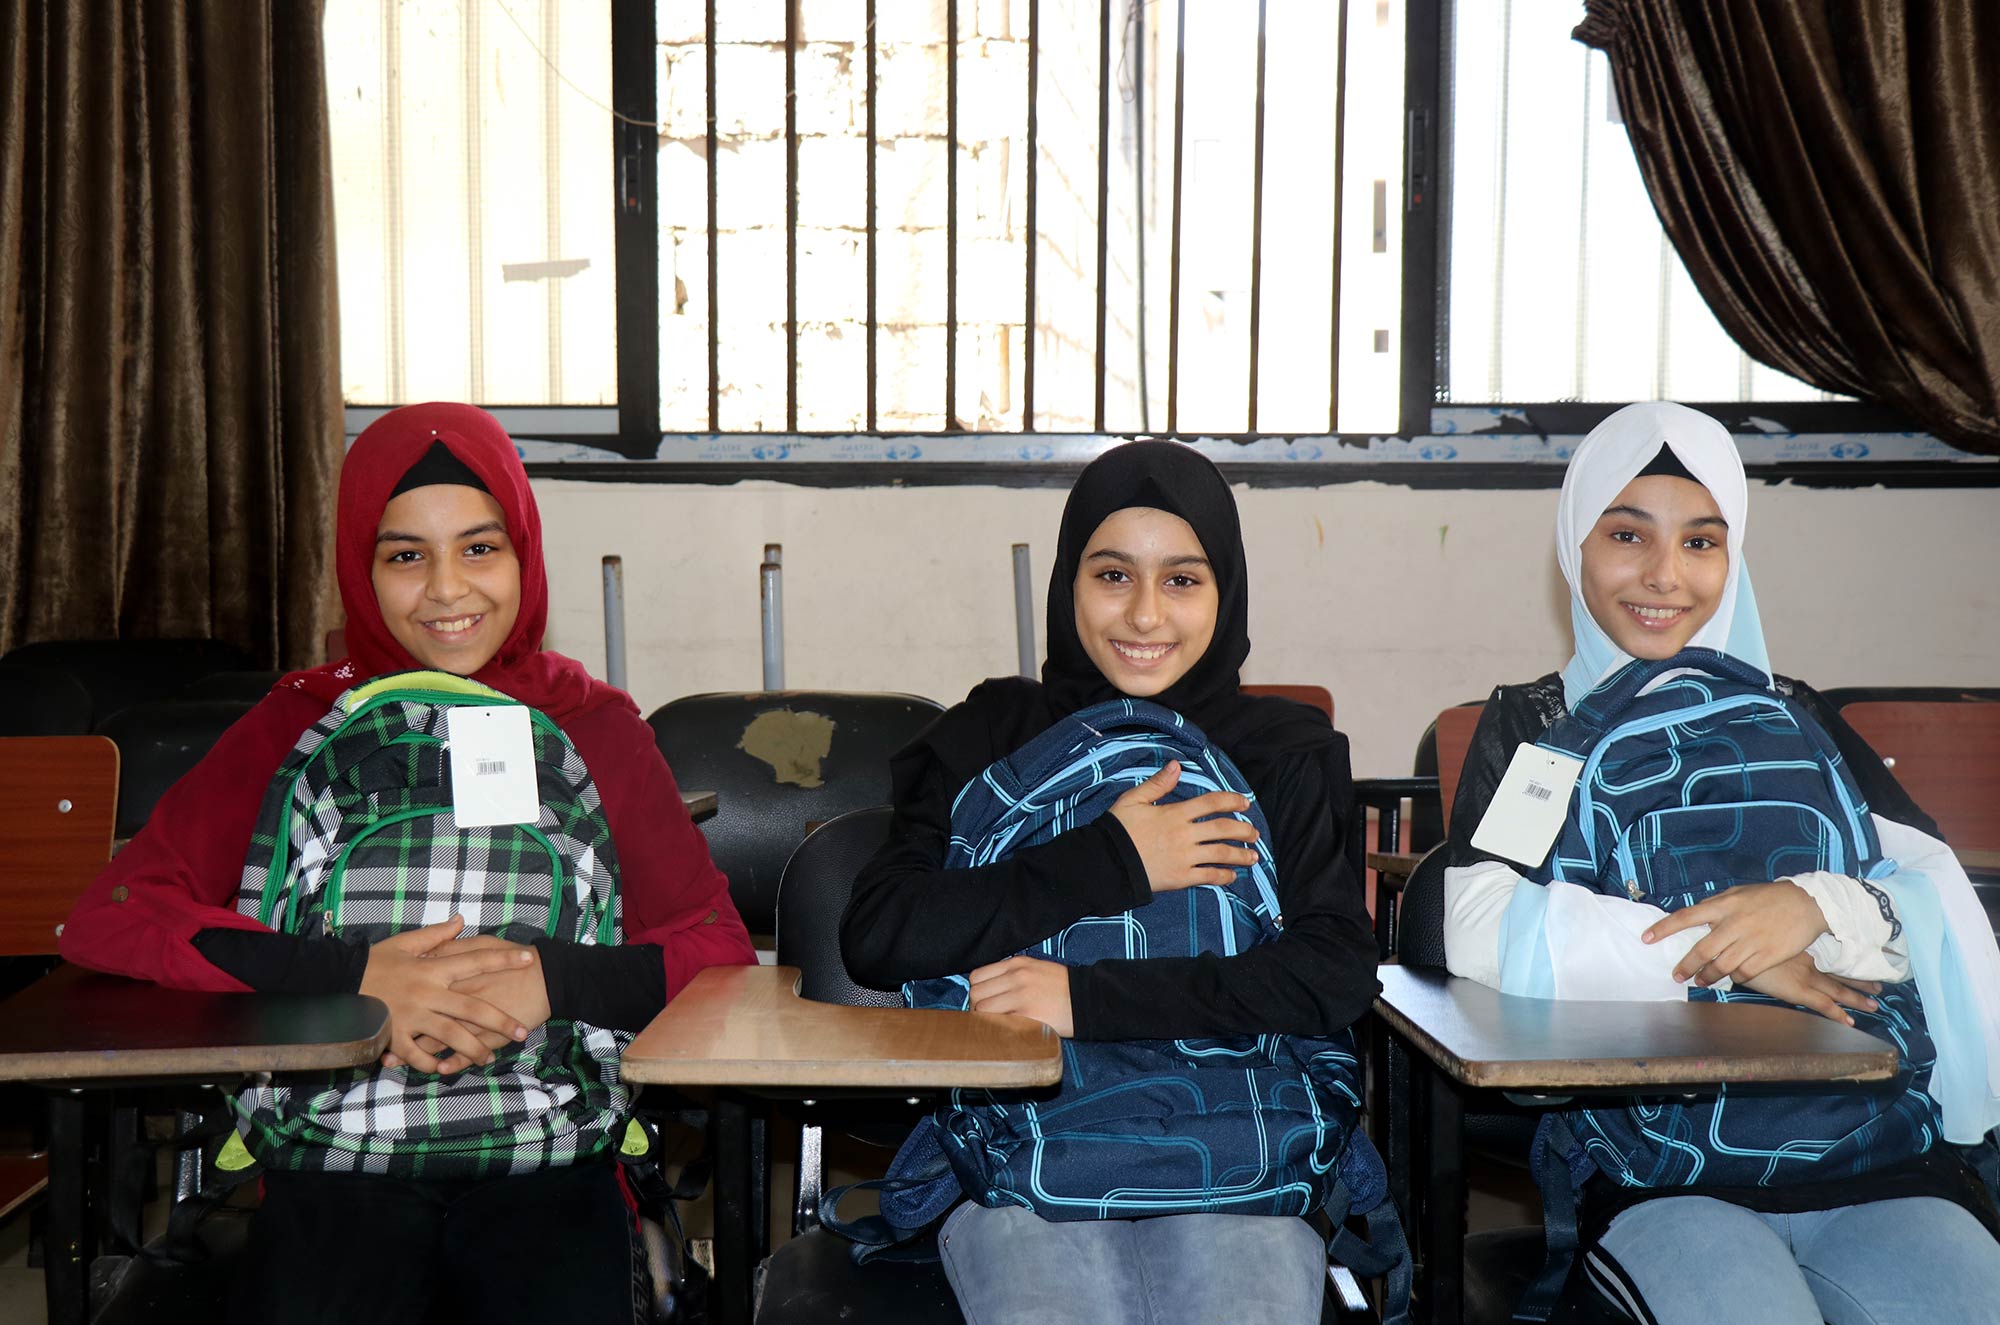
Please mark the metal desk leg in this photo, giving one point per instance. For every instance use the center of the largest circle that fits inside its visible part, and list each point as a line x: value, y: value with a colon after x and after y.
x: 734, y: 1214
x: 68, y: 1236
x: 1444, y: 1203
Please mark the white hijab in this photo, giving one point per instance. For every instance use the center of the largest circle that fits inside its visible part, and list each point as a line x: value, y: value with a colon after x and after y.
x: 1609, y: 458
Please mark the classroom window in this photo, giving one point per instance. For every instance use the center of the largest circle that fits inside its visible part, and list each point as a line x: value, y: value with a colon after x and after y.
x: 1559, y: 283
x: 472, y: 159
x: 860, y: 225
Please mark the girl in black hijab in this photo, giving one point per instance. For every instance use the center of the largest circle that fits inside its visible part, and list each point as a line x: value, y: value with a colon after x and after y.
x: 910, y: 918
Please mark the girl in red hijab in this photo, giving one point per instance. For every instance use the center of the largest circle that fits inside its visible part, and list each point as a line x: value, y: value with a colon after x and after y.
x: 438, y: 549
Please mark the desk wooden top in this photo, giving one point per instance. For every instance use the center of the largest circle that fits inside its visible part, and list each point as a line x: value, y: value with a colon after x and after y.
x: 77, y: 1025
x: 1977, y: 861
x: 1482, y: 1037
x: 747, y: 1026
x: 700, y: 804
x: 1398, y: 864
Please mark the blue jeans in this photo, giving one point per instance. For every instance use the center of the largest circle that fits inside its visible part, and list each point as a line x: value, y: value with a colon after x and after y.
x: 1012, y: 1267
x: 1698, y: 1261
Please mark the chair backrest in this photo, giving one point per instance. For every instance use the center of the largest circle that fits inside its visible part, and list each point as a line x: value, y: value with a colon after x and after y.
x: 777, y: 761
x: 250, y: 686
x: 42, y: 701
x: 1420, y: 917
x: 158, y: 744
x: 1947, y: 756
x: 1318, y: 697
x: 1454, y: 737
x: 120, y: 673
x: 818, y: 880
x: 57, y: 797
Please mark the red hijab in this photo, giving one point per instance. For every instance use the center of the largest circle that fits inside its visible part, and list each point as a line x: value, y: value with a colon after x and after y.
x: 380, y: 456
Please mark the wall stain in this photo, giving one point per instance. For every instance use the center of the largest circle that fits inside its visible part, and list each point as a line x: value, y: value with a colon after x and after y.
x: 792, y: 743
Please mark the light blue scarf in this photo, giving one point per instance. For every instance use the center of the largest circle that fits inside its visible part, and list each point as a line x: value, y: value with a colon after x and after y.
x: 1611, y: 457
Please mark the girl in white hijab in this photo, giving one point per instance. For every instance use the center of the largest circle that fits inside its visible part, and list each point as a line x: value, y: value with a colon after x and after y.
x: 1649, y: 536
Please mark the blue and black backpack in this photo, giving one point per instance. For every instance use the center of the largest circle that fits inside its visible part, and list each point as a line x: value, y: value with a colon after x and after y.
x: 1236, y: 1124
x: 1698, y: 776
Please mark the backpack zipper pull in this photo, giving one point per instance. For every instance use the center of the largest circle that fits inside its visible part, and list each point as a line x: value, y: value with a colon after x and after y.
x: 1632, y: 889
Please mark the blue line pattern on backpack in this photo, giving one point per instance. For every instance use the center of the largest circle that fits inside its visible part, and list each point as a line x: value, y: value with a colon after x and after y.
x: 1707, y: 780
x: 1242, y: 1124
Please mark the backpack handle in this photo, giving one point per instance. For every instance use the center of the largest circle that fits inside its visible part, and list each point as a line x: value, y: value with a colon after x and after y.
x: 1623, y: 686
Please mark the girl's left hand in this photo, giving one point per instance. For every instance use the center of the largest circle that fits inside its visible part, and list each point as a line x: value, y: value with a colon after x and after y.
x: 1027, y: 986
x: 1752, y: 928
x: 523, y: 993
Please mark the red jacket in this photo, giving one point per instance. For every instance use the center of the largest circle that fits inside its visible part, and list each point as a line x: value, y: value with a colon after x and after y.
x: 180, y: 875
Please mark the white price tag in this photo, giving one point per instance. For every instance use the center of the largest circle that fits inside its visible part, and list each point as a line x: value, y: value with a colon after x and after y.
x: 1526, y: 814
x: 492, y: 767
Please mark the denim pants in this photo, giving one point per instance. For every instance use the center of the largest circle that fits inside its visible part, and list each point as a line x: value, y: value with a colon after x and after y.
x: 1012, y: 1267
x: 1694, y: 1260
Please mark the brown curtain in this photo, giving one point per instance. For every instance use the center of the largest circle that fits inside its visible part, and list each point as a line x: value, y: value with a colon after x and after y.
x: 1829, y: 171
x: 170, y: 411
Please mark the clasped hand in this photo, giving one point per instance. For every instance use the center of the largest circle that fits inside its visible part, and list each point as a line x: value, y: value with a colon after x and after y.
x: 1751, y: 928
x: 452, y: 1003
x: 1182, y: 844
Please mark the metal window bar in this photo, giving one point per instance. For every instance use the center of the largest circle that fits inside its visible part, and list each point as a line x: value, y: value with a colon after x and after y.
x: 1174, y: 244
x: 1103, y: 202
x: 714, y: 262
x: 791, y: 217
x: 1339, y: 206
x: 1033, y: 233
x: 868, y: 219
x: 1257, y: 220
x: 950, y: 215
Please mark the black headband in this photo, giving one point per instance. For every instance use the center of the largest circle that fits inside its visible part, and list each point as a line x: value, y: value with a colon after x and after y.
x: 438, y: 465
x: 1668, y: 464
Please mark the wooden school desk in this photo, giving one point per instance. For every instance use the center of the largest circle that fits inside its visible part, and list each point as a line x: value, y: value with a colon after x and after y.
x: 700, y: 804
x: 1466, y: 1036
x: 745, y: 1029
x: 75, y: 1030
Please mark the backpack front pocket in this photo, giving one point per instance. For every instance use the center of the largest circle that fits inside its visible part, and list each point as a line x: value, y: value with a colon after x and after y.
x: 1700, y: 848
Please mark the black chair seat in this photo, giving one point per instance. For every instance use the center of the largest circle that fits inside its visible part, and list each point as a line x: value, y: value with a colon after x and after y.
x: 811, y: 1279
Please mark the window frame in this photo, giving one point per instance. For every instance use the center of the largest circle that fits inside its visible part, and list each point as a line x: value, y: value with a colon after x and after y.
x: 630, y: 451
x: 1426, y: 317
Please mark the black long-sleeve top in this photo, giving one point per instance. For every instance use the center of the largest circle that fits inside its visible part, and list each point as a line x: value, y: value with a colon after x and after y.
x: 911, y: 919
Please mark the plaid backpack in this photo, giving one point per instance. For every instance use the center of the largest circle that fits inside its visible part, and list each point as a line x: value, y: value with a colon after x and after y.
x: 356, y: 839
x: 1709, y: 780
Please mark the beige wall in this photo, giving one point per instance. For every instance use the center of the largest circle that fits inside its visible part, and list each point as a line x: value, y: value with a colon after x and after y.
x: 1398, y: 601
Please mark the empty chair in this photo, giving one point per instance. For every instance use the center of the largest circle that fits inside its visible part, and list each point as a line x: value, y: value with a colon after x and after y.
x: 778, y: 761
x: 120, y: 673
x: 42, y: 701
x: 158, y: 744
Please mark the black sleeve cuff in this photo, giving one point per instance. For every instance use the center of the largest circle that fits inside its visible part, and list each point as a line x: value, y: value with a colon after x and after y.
x: 618, y: 988
x: 273, y: 963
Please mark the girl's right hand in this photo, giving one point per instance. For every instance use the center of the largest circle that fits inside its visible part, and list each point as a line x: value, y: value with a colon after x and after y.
x: 1177, y: 851
x: 1797, y: 981
x: 413, y: 974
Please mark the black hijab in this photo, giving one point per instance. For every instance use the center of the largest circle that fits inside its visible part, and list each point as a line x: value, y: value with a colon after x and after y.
x: 1004, y: 714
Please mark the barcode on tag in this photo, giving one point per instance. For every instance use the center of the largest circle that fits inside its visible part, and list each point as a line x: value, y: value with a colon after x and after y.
x: 492, y: 767
x: 1537, y: 790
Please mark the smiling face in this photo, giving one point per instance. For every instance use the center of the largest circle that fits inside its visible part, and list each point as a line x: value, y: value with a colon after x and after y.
x: 1655, y: 565
x: 1146, y: 600
x: 446, y: 577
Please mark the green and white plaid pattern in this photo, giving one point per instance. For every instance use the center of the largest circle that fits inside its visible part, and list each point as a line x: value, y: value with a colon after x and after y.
x: 356, y: 839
